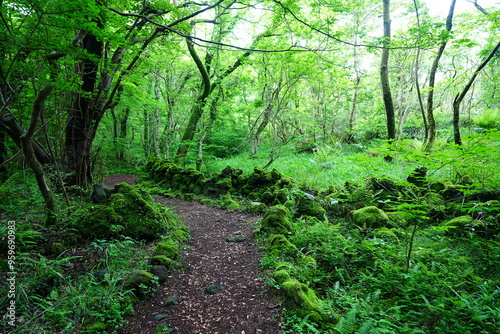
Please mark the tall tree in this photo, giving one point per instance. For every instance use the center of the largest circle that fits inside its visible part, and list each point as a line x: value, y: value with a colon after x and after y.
x: 431, y: 136
x: 384, y: 73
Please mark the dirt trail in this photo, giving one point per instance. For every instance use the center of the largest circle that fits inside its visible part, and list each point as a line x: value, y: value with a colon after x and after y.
x: 244, y: 306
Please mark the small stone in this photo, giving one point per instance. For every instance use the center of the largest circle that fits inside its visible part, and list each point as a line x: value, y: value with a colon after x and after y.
x: 236, y: 239
x: 160, y: 317
x: 212, y: 289
x: 160, y: 271
x: 172, y: 300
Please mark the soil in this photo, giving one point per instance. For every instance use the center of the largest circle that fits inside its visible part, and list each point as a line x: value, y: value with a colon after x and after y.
x: 241, y: 303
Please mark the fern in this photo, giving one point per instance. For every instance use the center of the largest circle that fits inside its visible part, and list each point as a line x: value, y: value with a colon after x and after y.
x: 347, y: 324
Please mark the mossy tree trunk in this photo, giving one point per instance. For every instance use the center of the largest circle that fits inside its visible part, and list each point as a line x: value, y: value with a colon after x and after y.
x: 27, y: 138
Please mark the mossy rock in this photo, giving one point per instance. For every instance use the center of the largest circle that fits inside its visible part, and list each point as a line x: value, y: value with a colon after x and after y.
x: 276, y: 220
x: 278, y: 244
x: 302, y: 300
x: 310, y: 208
x: 397, y: 218
x: 129, y: 212
x: 434, y: 200
x: 224, y: 185
x: 180, y: 236
x: 280, y: 276
x: 138, y: 278
x: 437, y: 186
x: 452, y: 192
x: 370, y: 217
x: 162, y: 260
x: 229, y: 203
x: 462, y: 224
x: 168, y: 248
x: 383, y: 183
x: 385, y: 233
x: 307, y: 262
x: 256, y: 207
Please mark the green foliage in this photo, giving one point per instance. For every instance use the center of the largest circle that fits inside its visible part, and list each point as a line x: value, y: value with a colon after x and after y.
x: 488, y: 119
x: 129, y: 212
x: 59, y: 299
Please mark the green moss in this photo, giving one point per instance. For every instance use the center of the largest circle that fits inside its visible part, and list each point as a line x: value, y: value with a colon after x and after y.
x: 230, y: 203
x: 310, y: 208
x: 369, y: 217
x: 224, y: 185
x: 307, y: 262
x: 138, y: 278
x: 168, y: 248
x: 462, y: 224
x: 129, y: 212
x: 281, y: 276
x: 434, y: 200
x: 162, y: 260
x: 278, y: 244
x: 384, y: 232
x: 276, y: 220
x: 180, y: 236
x: 397, y: 218
x: 302, y: 300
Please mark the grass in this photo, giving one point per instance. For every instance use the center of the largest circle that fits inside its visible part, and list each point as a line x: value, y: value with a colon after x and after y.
x: 319, y: 170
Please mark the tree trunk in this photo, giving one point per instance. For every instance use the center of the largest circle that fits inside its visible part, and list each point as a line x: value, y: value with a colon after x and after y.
x: 29, y: 153
x: 82, y: 117
x: 198, y: 107
x: 123, y: 134
x: 265, y: 121
x: 384, y: 74
x: 431, y: 138
x: 459, y: 98
x: 417, y: 82
x: 12, y: 127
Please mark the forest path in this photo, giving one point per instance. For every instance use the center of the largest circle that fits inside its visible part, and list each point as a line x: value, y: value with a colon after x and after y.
x: 243, y: 306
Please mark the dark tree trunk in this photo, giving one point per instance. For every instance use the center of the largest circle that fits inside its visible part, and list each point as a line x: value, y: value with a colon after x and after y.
x: 384, y: 74
x: 83, y: 116
x: 459, y: 98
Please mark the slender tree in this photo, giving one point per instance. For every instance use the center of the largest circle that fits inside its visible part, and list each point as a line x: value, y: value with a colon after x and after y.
x: 431, y: 137
x: 384, y: 73
x: 460, y: 96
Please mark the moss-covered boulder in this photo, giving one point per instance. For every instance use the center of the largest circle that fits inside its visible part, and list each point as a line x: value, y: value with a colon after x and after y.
x: 278, y: 244
x: 168, y: 248
x: 130, y: 211
x: 280, y: 276
x: 370, y: 217
x: 276, y: 220
x: 462, y: 224
x: 137, y: 280
x: 230, y: 203
x: 310, y: 207
x: 162, y: 260
x: 302, y: 300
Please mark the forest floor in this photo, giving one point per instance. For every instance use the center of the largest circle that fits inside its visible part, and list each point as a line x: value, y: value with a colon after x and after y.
x: 241, y: 304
